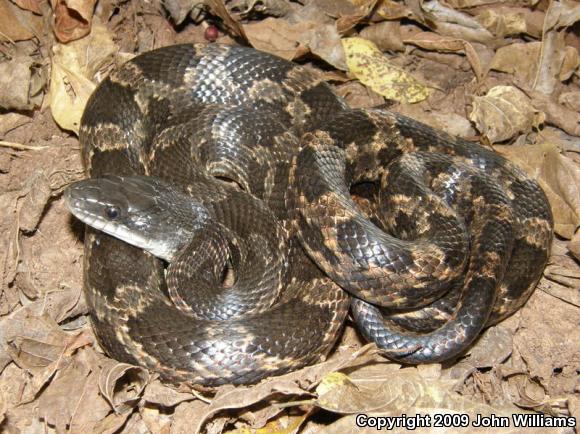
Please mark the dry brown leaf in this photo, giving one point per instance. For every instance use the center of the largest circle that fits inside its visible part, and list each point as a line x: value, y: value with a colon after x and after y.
x: 491, y: 348
x: 560, y: 15
x: 180, y: 9
x: 306, y: 29
x: 122, y: 384
x: 272, y: 8
x: 560, y: 139
x: 556, y: 114
x: 453, y: 124
x: 392, y: 10
x: 385, y: 35
x: 233, y: 398
x: 37, y: 345
x: 24, y: 418
x: 158, y: 393
x: 570, y: 63
x: 566, y: 277
x: 503, y: 113
x: 72, y: 18
x: 574, y: 245
x: 449, y: 122
x: 33, y: 341
x: 72, y: 399
x: 11, y: 381
x: 30, y: 5
x: 324, y: 41
x: 347, y: 21
x: 520, y: 59
x: 111, y: 424
x: 135, y: 424
x: 12, y: 120
x: 278, y: 37
x: 311, y: 12
x: 15, y: 77
x: 9, y: 240
x: 34, y: 203
x: 156, y: 419
x: 35, y: 328
x: 296, y: 383
x: 432, y: 41
x: 386, y: 389
x: 283, y: 425
x: 345, y: 13
x: 526, y: 392
x: 548, y: 339
x: 2, y: 407
x: 503, y: 22
x: 449, y: 22
x: 60, y: 305
x: 184, y: 414
x: 464, y: 4
x: 218, y: 8
x: 558, y: 176
x: 11, y: 27
x: 59, y: 265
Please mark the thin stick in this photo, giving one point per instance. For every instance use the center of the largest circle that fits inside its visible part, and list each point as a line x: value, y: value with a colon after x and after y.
x: 21, y: 146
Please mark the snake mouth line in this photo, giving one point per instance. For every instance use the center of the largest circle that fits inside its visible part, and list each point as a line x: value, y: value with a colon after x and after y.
x: 78, y: 207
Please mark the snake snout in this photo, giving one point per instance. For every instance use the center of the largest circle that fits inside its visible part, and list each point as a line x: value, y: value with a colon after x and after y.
x: 142, y: 211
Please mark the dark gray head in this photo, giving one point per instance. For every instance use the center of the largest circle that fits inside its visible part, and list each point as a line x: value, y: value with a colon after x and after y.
x: 143, y: 211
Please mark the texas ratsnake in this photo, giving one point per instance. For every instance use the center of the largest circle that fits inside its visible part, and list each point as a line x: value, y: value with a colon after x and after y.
x: 229, y: 164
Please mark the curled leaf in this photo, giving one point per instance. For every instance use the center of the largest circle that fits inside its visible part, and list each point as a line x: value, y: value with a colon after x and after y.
x: 122, y: 384
x: 560, y: 15
x: 72, y: 18
x: 503, y: 113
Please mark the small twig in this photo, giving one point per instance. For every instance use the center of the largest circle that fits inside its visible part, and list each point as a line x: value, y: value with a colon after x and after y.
x: 9, y: 39
x: 21, y: 146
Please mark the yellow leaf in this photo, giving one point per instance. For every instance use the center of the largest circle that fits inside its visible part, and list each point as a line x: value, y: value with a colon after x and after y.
x: 366, y: 62
x: 331, y: 381
x: 73, y: 67
x: 283, y: 425
x: 69, y: 93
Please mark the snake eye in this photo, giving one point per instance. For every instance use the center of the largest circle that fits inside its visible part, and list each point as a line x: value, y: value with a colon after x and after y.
x: 112, y: 212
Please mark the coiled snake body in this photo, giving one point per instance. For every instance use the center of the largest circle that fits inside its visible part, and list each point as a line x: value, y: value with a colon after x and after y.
x: 229, y: 164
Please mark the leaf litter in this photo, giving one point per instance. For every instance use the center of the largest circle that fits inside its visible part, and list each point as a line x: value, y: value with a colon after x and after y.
x: 507, y: 74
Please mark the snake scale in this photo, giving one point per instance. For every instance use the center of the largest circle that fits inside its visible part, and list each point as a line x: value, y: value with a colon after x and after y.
x: 236, y: 209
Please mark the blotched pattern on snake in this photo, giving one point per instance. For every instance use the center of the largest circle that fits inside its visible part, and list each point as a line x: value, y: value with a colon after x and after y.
x: 235, y: 202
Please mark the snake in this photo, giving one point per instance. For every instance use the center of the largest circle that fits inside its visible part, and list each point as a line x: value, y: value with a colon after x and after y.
x: 236, y: 208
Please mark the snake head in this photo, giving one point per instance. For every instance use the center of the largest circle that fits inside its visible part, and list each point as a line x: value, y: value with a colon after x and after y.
x: 143, y: 211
